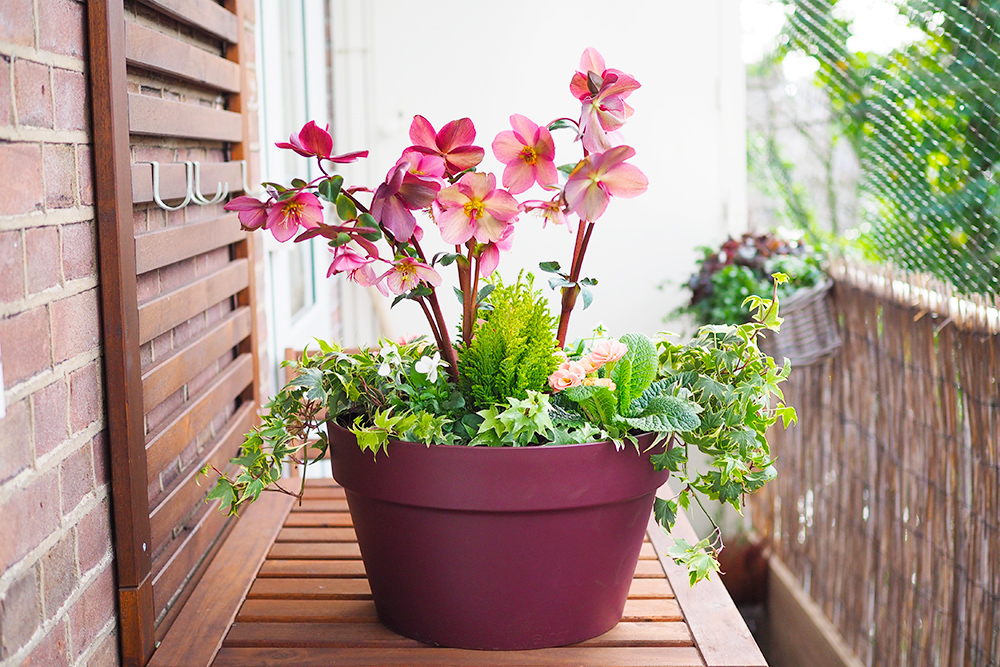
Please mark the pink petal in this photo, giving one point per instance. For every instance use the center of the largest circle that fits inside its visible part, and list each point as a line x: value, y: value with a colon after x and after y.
x: 489, y: 259
x: 244, y: 203
x: 416, y: 194
x: 524, y: 128
x: 578, y: 86
x: 606, y: 161
x: 500, y: 204
x: 518, y: 176
x: 315, y: 139
x: 465, y: 157
x: 479, y: 184
x: 457, y: 133
x: 427, y: 274
x: 623, y: 85
x: 452, y: 196
x: 397, y: 219
x: 586, y: 198
x: 625, y: 180
x: 422, y: 133
x: 591, y: 61
x: 456, y: 227
x: 507, y: 147
x: 545, y: 146
x: 546, y: 173
x: 347, y: 158
x: 489, y: 228
x: 282, y: 226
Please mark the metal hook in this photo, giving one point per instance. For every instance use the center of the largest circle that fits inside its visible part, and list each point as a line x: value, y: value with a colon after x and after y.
x: 221, y: 191
x: 243, y: 171
x: 156, y: 187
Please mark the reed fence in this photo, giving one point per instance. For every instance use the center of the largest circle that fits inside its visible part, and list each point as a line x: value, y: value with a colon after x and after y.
x: 887, y: 501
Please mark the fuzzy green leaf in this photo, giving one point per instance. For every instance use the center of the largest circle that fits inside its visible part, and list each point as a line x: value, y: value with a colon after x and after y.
x: 667, y: 414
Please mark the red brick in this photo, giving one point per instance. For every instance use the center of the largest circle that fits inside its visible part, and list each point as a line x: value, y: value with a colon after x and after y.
x: 59, y: 574
x: 53, y: 651
x: 102, y: 470
x: 75, y: 325
x: 17, y: 22
x: 85, y: 162
x: 24, y: 345
x: 11, y: 266
x: 15, y: 440
x: 92, y: 611
x: 20, y: 612
x: 147, y: 286
x: 21, y: 174
x: 93, y: 537
x: 60, y: 27
x: 41, y: 246
x: 30, y: 515
x: 6, y: 109
x: 106, y: 655
x: 33, y: 93
x: 76, y: 477
x: 49, y: 416
x: 178, y: 274
x: 72, y: 100
x: 79, y: 251
x: 164, y: 410
x: 60, y: 175
x: 84, y: 397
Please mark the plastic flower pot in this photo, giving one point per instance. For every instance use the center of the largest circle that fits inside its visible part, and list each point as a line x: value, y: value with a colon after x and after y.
x: 498, y: 548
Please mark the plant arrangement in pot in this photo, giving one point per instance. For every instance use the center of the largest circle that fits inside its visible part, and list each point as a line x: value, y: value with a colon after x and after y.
x: 473, y: 467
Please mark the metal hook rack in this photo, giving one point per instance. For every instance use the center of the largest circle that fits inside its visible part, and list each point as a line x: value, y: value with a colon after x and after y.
x: 193, y: 192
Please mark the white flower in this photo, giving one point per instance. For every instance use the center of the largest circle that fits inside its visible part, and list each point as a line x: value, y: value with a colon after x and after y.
x: 390, y: 357
x: 429, y: 366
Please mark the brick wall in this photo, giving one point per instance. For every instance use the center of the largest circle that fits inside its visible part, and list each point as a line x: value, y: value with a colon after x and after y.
x: 57, y: 588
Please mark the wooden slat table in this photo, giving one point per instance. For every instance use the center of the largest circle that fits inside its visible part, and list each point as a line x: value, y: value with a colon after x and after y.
x: 310, y: 606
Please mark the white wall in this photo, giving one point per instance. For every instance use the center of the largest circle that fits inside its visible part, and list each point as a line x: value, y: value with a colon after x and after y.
x: 487, y: 60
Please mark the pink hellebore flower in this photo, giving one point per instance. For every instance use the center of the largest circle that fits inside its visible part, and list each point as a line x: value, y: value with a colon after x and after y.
x: 402, y: 193
x: 474, y: 207
x: 312, y: 141
x: 602, y: 92
x: 607, y: 351
x: 346, y: 259
x: 407, y: 273
x: 285, y: 216
x: 252, y: 211
x: 453, y: 143
x: 593, y: 182
x: 489, y: 258
x: 552, y: 211
x: 528, y: 151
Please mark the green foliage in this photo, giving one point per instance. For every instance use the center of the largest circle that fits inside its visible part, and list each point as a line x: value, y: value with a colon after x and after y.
x: 524, y: 422
x: 513, y: 349
x: 924, y: 119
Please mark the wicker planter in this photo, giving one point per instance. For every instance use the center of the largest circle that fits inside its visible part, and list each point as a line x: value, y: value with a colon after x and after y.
x: 809, y: 333
x: 498, y: 548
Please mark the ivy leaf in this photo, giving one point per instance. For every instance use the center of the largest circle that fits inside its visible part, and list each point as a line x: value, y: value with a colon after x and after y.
x: 665, y: 512
x: 673, y: 459
x: 223, y: 492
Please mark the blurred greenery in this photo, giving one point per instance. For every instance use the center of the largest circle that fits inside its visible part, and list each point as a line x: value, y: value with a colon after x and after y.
x: 924, y: 120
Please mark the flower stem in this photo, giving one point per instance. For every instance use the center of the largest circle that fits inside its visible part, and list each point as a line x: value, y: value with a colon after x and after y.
x: 569, y: 293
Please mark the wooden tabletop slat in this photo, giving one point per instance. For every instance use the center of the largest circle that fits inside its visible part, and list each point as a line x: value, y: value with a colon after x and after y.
x: 373, y: 635
x: 312, y: 568
x: 323, y: 491
x: 315, y: 551
x: 318, y: 519
x: 573, y: 656
x: 317, y: 534
x: 309, y: 504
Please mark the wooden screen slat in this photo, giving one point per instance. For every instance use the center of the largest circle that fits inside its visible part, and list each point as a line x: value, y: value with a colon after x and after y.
x: 166, y: 118
x: 174, y: 567
x: 167, y: 444
x: 175, y: 371
x: 153, y: 50
x: 186, y: 492
x: 173, y: 180
x: 174, y: 244
x: 202, y: 14
x: 198, y: 631
x: 167, y: 311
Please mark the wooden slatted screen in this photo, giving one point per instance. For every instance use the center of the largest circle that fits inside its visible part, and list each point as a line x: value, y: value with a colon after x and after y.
x: 172, y: 83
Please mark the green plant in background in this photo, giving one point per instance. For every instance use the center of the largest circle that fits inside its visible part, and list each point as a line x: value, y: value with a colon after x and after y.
x: 727, y: 275
x: 925, y: 121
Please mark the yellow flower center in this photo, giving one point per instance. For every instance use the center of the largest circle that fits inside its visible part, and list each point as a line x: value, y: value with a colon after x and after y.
x: 474, y: 209
x: 528, y: 155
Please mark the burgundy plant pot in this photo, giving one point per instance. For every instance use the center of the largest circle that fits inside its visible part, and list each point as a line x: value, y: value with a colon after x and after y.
x: 498, y: 548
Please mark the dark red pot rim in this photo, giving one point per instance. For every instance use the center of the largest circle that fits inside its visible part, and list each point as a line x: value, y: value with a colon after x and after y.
x: 496, y: 479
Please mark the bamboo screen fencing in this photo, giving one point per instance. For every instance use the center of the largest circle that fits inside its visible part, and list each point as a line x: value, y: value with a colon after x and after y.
x: 887, y: 501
